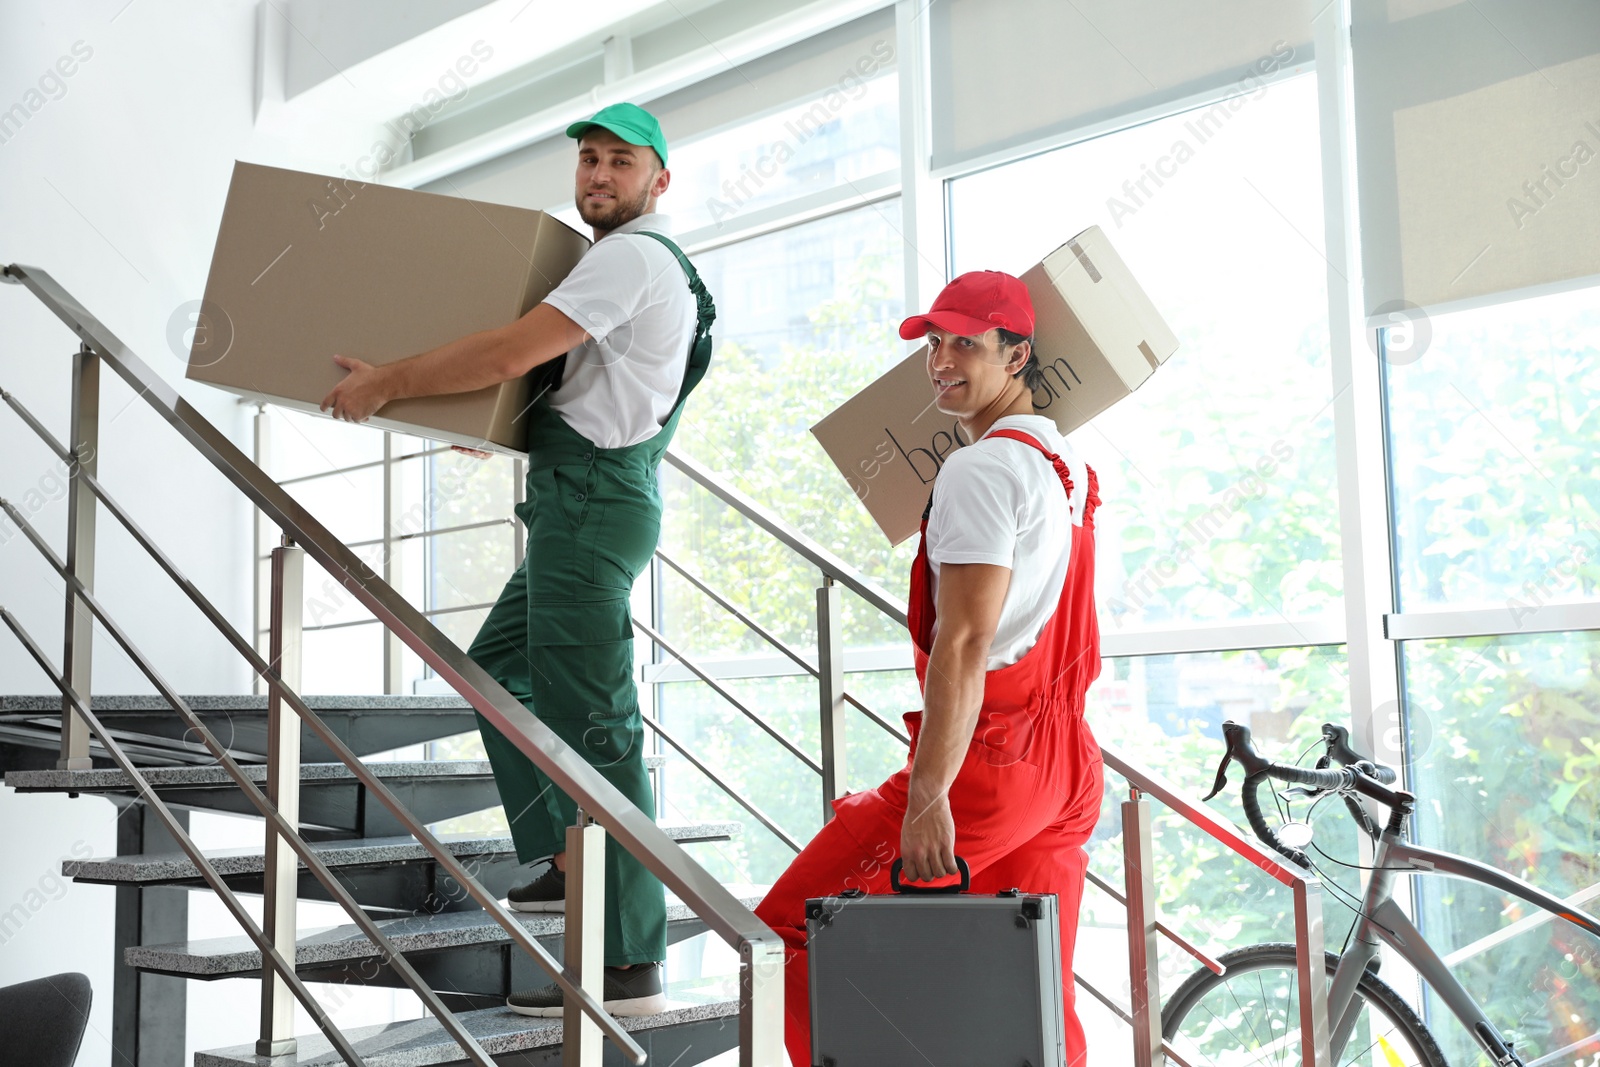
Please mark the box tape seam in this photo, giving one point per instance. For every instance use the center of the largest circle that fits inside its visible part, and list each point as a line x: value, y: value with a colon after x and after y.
x: 1083, y: 257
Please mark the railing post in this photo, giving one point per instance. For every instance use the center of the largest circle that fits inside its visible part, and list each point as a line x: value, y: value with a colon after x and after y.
x: 261, y: 530
x: 281, y: 874
x: 584, y: 942
x: 393, y: 648
x: 78, y: 633
x: 1313, y: 975
x: 761, y: 1004
x: 830, y: 688
x: 1139, y: 883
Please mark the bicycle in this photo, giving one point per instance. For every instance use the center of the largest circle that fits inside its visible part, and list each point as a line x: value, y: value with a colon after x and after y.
x: 1250, y: 1013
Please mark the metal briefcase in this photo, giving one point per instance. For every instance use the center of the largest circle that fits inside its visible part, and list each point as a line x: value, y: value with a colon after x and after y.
x: 935, y: 976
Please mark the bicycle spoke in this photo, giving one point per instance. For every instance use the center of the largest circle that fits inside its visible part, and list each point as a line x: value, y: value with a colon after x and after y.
x: 1284, y: 1046
x: 1231, y: 1032
x: 1246, y: 1016
x: 1218, y: 1017
x: 1364, y: 1051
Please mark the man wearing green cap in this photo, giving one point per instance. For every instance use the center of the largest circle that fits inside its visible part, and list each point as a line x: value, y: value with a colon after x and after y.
x: 619, y: 344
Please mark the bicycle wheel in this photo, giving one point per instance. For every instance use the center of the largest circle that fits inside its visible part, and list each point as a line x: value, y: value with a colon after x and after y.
x: 1250, y: 1017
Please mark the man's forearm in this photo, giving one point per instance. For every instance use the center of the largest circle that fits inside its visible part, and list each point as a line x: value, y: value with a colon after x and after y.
x: 475, y: 361
x: 951, y: 701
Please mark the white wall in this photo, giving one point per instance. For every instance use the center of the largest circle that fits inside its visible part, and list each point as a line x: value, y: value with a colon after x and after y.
x: 113, y: 179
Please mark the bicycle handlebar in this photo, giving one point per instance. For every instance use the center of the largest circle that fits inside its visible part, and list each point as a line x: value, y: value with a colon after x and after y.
x: 1337, y: 738
x: 1356, y: 773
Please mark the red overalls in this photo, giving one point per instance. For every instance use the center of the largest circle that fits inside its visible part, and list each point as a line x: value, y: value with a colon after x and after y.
x: 1024, y: 801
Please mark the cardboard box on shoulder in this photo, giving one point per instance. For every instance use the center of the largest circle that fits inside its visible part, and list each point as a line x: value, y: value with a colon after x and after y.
x: 308, y: 265
x: 1098, y: 337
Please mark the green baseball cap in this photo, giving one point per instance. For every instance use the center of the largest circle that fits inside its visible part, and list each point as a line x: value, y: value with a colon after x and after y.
x: 630, y: 122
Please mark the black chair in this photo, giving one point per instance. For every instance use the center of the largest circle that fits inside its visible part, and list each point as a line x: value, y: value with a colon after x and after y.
x: 42, y: 1021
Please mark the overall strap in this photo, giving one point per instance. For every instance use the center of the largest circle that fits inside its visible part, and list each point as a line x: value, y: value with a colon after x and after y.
x: 705, y: 309
x: 547, y: 377
x: 705, y: 315
x: 1055, y: 460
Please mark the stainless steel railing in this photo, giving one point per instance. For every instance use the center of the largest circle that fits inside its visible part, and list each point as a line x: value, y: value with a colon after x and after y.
x: 1138, y: 896
x: 761, y: 952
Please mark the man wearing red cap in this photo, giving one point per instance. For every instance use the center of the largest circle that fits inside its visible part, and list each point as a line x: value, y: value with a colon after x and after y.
x: 1003, y: 768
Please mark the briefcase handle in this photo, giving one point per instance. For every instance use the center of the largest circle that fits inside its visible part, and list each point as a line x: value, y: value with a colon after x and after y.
x: 912, y: 890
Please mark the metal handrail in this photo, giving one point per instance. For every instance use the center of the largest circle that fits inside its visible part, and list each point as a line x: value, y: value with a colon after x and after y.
x: 762, y: 817
x: 760, y: 948
x: 1161, y: 928
x: 717, y: 687
x: 329, y: 473
x: 828, y: 562
x: 1212, y: 824
x: 431, y: 613
x: 733, y: 609
x: 772, y: 639
x: 432, y: 531
x: 341, y: 894
x: 230, y: 901
x: 374, y: 784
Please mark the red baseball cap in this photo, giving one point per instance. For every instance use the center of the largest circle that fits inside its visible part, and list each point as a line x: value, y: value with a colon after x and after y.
x: 975, y: 303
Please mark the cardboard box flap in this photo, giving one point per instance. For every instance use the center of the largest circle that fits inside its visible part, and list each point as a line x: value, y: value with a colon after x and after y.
x: 1113, y: 309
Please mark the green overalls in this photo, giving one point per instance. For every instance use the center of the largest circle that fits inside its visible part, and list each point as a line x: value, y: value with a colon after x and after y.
x: 560, y: 638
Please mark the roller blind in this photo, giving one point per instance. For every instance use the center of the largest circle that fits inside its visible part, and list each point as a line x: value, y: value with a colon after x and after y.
x: 1009, y: 72
x: 1477, y: 137
x: 540, y: 175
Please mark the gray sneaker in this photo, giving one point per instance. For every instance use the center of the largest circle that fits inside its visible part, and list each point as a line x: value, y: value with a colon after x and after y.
x: 548, y: 892
x: 629, y: 991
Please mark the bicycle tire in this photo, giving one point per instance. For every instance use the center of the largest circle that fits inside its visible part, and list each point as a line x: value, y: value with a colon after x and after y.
x: 1378, y: 996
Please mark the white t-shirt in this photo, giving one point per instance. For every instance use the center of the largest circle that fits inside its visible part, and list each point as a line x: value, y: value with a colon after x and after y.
x: 999, y: 501
x: 633, y: 299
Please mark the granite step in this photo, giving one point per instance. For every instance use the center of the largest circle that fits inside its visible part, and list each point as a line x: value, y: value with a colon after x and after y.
x: 687, y: 1033
x: 333, y: 803
x: 384, y: 874
x: 333, y: 953
x: 175, y: 868
x: 114, y: 780
x: 30, y: 726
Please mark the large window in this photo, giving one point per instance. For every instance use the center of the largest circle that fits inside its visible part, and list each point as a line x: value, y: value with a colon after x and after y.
x: 1495, y: 423
x: 846, y: 135
x: 1494, y: 419
x: 1505, y: 766
x: 1218, y: 475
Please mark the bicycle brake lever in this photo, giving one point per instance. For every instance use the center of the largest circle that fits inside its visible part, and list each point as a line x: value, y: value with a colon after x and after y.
x: 1300, y: 792
x: 1222, y: 776
x: 1239, y: 747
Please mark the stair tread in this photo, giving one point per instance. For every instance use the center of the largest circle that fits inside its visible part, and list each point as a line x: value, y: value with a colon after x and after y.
x: 111, y: 778
x: 51, y: 705
x: 421, y: 1042
x: 231, y: 955
x: 176, y: 866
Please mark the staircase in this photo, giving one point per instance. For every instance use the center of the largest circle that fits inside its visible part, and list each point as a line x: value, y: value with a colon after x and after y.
x: 342, y: 826
x: 424, y: 912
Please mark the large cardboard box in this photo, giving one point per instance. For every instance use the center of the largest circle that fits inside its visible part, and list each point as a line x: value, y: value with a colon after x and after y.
x: 307, y: 266
x: 1098, y: 337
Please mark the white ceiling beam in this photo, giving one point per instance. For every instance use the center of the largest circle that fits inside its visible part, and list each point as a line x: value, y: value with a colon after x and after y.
x: 640, y: 88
